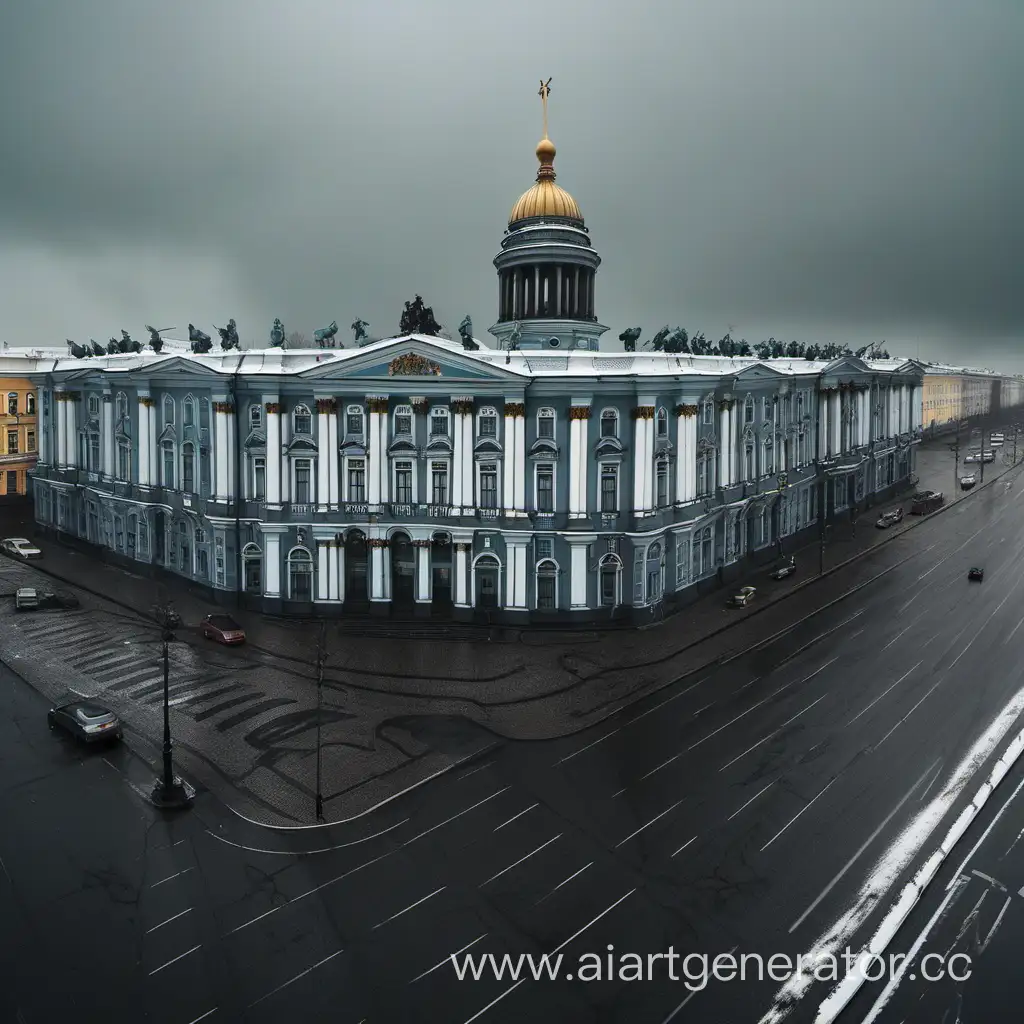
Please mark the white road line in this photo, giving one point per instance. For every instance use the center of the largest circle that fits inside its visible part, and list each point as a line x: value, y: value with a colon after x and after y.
x: 1019, y: 624
x: 576, y: 753
x: 412, y: 906
x: 791, y: 820
x: 203, y: 1016
x: 928, y: 788
x: 774, y: 732
x: 704, y: 708
x: 992, y: 930
x: 931, y: 690
x: 990, y: 879
x: 867, y: 842
x: 576, y: 935
x: 672, y: 1016
x: 881, y: 695
x: 564, y: 882
x: 494, y: 1002
x: 901, y: 632
x: 308, y: 970
x: 514, y: 817
x: 448, y: 958
x: 651, y: 822
x: 482, y: 767
x: 684, y: 846
x: 170, y: 877
x: 175, y: 960
x: 520, y: 861
x: 434, y: 828
x: 168, y: 921
x: 751, y: 800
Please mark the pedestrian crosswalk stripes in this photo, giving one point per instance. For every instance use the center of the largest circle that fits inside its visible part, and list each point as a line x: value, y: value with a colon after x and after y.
x: 105, y: 659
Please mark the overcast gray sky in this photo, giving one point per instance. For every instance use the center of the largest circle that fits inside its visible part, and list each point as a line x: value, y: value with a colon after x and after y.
x: 830, y: 170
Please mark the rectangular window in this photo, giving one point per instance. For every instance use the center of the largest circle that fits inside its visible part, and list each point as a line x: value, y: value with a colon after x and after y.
x: 168, y: 464
x: 545, y: 547
x: 403, y: 483
x: 709, y: 414
x: 609, y: 425
x: 439, y: 425
x: 546, y: 591
x: 662, y: 484
x: 488, y: 426
x: 12, y: 442
x: 354, y: 423
x: 143, y: 538
x: 218, y: 560
x: 609, y: 488
x: 545, y: 488
x: 439, y: 483
x: 303, y: 421
x: 259, y: 478
x: 12, y: 405
x: 124, y: 462
x: 488, y: 483
x: 546, y: 426
x: 356, y: 480
x: 403, y: 423
x: 188, y: 471
x: 303, y: 474
x: 31, y: 440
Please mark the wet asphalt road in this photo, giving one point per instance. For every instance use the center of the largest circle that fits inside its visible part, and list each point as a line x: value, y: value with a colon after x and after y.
x: 738, y: 810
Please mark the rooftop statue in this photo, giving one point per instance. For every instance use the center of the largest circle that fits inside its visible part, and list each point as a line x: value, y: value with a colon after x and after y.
x: 678, y: 341
x: 128, y: 343
x: 200, y: 341
x: 658, y: 341
x: 323, y: 337
x: 76, y: 350
x: 96, y: 348
x: 466, y: 333
x: 228, y: 335
x: 359, y: 327
x: 513, y: 339
x: 277, y: 335
x: 628, y: 338
x: 155, y: 340
x: 113, y: 347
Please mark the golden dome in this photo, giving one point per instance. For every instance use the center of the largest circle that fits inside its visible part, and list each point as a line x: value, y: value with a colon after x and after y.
x: 545, y: 199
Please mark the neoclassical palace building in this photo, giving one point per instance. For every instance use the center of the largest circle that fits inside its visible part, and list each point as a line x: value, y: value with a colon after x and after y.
x: 537, y: 479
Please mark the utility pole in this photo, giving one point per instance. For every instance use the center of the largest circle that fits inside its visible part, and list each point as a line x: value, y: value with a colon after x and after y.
x: 321, y: 658
x: 983, y: 449
x: 169, y: 790
x: 955, y: 449
x: 821, y: 523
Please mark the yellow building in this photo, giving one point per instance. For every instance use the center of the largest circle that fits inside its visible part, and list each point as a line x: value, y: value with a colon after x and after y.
x: 17, y: 436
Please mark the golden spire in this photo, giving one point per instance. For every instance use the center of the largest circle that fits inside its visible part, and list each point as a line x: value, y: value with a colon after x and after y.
x: 545, y: 148
x: 545, y: 92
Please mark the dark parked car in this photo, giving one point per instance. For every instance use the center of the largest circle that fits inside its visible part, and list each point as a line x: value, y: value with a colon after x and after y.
x: 976, y: 574
x: 61, y: 599
x: 887, y: 519
x: 223, y: 629
x: 89, y: 722
x: 784, y: 571
x: 925, y: 502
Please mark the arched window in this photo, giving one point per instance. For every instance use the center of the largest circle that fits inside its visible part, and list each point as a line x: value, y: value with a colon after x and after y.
x: 300, y: 575
x: 188, y: 468
x: 487, y: 422
x: 403, y: 421
x: 439, y: 421
x: 610, y: 581
x: 703, y: 552
x: 547, y: 585
x: 168, y: 411
x: 302, y: 421
x: 188, y: 412
x: 255, y: 415
x: 767, y: 457
x: 30, y: 403
x: 655, y: 572
x: 94, y: 405
x: 168, y: 475
x: 252, y: 559
x: 354, y: 421
x: 662, y: 422
x: 609, y: 423
x: 748, y: 410
x: 748, y: 459
x: 12, y: 403
x: 661, y: 488
x: 546, y: 422
x: 122, y: 406
x: 705, y: 472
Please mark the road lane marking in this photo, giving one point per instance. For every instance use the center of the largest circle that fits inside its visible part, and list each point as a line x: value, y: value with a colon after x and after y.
x: 170, y: 878
x: 412, y: 906
x: 1019, y: 624
x: 992, y: 930
x: 175, y: 960
x: 773, y: 733
x: 881, y: 695
x: 448, y: 958
x: 751, y: 800
x: 564, y: 882
x: 576, y: 753
x: 168, y: 921
x: 651, y: 822
x: 867, y: 842
x: 520, y: 861
x: 807, y: 807
x: 495, y: 1001
x: 928, y: 788
x: 684, y: 846
x: 931, y: 690
x: 203, y: 1016
x: 990, y: 879
x: 515, y: 817
x: 473, y: 807
x: 672, y: 1016
x: 291, y: 981
x: 821, y: 636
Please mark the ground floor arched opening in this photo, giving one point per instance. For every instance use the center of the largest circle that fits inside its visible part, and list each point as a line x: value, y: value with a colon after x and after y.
x: 356, y: 592
x: 403, y: 570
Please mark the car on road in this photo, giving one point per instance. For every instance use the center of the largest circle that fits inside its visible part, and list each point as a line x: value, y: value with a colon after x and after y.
x: 742, y: 597
x: 20, y: 547
x: 925, y: 502
x: 967, y: 482
x: 61, y: 599
x: 973, y: 457
x: 887, y: 519
x: 223, y: 629
x: 91, y: 723
x: 976, y: 574
x: 784, y: 571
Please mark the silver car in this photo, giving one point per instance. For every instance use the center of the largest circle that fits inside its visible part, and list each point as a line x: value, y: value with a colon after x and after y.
x: 91, y: 723
x: 20, y: 547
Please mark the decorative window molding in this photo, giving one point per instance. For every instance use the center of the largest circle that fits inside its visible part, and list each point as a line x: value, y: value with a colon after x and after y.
x: 609, y: 423
x: 355, y: 421
x: 302, y: 421
x: 546, y: 575
x: 487, y: 422
x: 546, y: 423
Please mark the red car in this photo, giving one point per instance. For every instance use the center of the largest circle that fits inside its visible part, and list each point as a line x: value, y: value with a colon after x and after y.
x: 223, y: 629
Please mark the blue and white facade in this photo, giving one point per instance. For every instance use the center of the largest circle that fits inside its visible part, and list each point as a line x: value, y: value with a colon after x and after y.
x: 548, y: 482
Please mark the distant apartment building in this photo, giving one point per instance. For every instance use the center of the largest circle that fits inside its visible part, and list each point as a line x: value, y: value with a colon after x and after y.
x: 951, y: 395
x: 17, y: 437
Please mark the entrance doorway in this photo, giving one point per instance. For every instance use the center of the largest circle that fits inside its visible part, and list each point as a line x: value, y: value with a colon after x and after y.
x: 403, y: 570
x: 441, y: 571
x: 487, y: 572
x: 355, y: 568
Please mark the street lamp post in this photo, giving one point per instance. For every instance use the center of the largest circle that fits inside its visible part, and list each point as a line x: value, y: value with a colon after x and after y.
x: 321, y: 657
x: 169, y: 790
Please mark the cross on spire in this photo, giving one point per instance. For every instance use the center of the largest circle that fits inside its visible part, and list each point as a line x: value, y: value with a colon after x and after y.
x: 543, y: 93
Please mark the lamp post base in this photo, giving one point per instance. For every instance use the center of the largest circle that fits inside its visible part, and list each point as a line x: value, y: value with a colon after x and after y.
x: 178, y: 794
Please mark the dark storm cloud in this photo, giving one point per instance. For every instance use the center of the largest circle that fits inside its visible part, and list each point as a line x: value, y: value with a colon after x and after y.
x: 833, y: 171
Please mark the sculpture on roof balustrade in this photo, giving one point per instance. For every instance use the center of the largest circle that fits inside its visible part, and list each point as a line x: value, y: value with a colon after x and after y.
x: 359, y: 329
x: 515, y: 337
x: 658, y: 341
x: 466, y: 333
x: 325, y: 335
x: 277, y: 335
x: 128, y: 343
x: 94, y: 348
x: 155, y: 341
x: 200, y: 340
x: 113, y: 347
x: 628, y: 338
x: 228, y: 335
x: 76, y: 350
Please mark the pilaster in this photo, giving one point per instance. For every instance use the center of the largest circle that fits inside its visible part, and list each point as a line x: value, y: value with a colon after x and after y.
x: 515, y: 572
x: 643, y: 470
x: 272, y: 410
x: 578, y: 575
x: 146, y: 441
x: 461, y: 573
x: 579, y: 417
x: 422, y: 546
x: 107, y: 445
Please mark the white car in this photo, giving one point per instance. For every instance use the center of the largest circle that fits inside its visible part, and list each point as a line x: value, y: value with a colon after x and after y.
x: 742, y: 597
x: 19, y: 547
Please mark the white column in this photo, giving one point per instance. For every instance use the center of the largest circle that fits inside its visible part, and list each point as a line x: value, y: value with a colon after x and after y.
x: 462, y: 575
x: 107, y: 437
x: 378, y: 575
x: 836, y: 422
x: 153, y: 452
x: 520, y: 459
x: 468, y: 481
x: 641, y: 461
x: 323, y: 464
x: 145, y: 441
x: 71, y: 441
x: 574, y: 465
x: 271, y: 560
x: 273, y: 415
x: 323, y: 557
x: 459, y: 444
x: 333, y: 488
x: 62, y: 430
x: 558, y: 291
x: 383, y: 463
x: 578, y: 574
x: 649, y: 475
x: 373, y: 454
x: 584, y: 463
x: 285, y: 462
x: 682, y: 460
x: 221, y: 443
x: 734, y: 441
x: 233, y: 454
x: 515, y: 572
x: 724, y: 463
x: 822, y: 425
x: 422, y: 572
x: 338, y: 572
x: 508, y: 490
